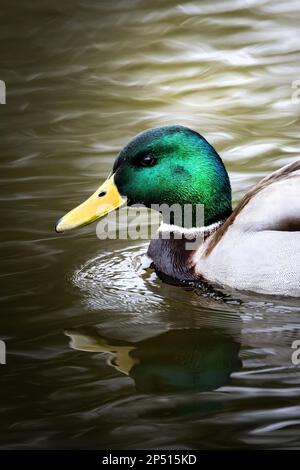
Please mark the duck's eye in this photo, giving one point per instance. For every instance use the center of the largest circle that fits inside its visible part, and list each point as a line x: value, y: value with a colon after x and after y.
x: 147, y: 160
x: 102, y: 194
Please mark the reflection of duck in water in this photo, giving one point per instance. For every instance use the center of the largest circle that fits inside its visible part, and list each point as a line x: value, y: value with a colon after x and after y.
x: 175, y: 361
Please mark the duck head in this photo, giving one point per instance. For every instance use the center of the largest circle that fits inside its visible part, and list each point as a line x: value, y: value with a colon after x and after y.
x: 164, y: 165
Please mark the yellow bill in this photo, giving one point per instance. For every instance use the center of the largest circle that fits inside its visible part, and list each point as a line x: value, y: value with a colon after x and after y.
x: 106, y: 199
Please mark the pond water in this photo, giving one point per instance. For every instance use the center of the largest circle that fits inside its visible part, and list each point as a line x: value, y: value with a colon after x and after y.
x: 100, y: 353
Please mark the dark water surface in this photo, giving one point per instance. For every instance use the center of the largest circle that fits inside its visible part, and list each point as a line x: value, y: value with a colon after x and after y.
x: 101, y: 354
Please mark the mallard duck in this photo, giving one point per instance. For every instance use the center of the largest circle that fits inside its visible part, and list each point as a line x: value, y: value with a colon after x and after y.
x: 255, y: 247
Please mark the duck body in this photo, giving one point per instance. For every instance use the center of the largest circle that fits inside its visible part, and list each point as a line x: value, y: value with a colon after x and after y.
x: 255, y: 247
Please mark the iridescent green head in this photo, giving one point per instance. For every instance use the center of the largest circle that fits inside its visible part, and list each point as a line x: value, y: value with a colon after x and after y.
x: 170, y: 165
x: 174, y: 165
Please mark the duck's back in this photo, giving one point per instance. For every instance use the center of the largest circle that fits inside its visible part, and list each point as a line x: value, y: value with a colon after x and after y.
x: 258, y: 247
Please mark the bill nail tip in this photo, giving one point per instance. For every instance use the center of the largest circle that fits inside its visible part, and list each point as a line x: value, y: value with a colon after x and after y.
x: 57, y: 230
